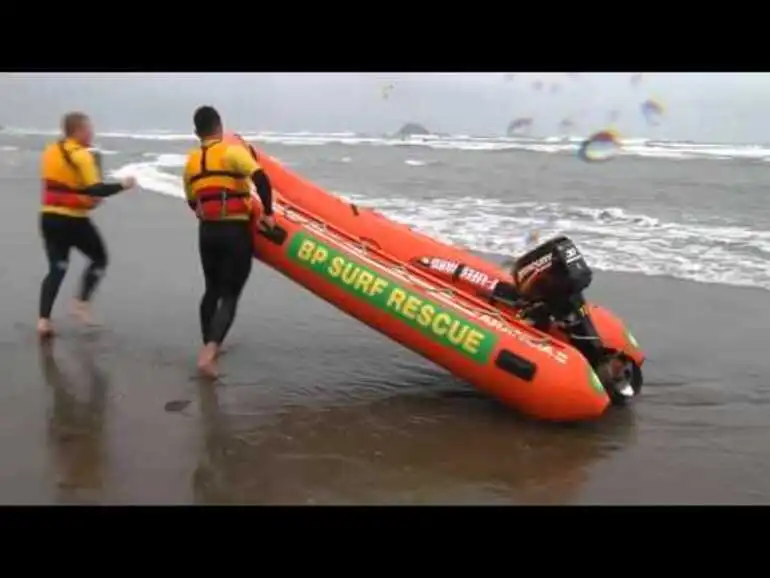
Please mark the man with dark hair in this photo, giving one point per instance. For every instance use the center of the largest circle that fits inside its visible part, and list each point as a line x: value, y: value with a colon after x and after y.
x: 217, y: 180
x: 72, y: 187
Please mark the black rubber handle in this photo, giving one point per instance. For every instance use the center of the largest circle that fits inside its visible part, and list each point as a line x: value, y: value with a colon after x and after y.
x: 276, y: 235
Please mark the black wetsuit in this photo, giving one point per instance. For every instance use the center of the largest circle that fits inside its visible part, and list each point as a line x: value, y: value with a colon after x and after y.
x: 61, y: 234
x: 226, y: 250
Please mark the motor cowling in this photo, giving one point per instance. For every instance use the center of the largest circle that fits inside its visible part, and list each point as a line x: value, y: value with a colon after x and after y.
x: 553, y: 272
x: 552, y: 278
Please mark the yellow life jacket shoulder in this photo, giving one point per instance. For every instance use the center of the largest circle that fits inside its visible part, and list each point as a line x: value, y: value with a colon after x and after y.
x: 219, y: 192
x: 63, y: 185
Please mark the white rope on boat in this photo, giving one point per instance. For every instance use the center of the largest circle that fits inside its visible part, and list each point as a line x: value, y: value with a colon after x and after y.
x: 293, y: 216
x: 441, y: 291
x: 364, y: 247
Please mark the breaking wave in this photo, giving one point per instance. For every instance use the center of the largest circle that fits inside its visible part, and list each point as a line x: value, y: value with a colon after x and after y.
x: 553, y: 145
x: 612, y: 238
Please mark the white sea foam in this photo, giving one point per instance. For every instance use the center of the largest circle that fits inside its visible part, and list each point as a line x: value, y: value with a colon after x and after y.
x: 149, y: 175
x: 612, y: 238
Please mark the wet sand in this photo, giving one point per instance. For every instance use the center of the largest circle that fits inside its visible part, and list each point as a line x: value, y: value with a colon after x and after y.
x: 317, y: 409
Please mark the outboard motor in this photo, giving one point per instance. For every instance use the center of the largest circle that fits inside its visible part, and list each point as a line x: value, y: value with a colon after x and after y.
x: 550, y: 280
x: 555, y: 274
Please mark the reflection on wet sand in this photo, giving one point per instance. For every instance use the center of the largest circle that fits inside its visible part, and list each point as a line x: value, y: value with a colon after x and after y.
x: 76, y: 426
x: 404, y: 449
x: 210, y: 479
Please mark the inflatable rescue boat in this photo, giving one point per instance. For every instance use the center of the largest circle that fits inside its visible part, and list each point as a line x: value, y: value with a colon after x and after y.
x: 407, y: 286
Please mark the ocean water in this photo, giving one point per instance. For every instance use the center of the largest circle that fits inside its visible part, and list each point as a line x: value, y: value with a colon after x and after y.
x: 680, y: 209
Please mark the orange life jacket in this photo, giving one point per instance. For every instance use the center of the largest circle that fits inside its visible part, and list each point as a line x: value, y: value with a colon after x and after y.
x: 63, y: 186
x: 219, y: 193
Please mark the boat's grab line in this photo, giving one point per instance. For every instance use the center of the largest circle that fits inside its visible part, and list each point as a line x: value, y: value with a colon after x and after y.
x: 409, y: 273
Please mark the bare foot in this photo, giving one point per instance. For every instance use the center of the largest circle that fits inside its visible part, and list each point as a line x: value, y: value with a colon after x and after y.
x: 44, y: 328
x: 207, y: 361
x: 81, y: 310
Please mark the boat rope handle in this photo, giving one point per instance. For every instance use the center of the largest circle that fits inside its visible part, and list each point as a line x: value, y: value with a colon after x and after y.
x: 398, y: 268
x: 365, y: 244
x: 369, y: 242
x: 441, y: 291
x: 291, y: 215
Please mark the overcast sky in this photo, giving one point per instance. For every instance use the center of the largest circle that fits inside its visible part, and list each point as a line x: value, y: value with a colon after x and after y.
x: 700, y: 106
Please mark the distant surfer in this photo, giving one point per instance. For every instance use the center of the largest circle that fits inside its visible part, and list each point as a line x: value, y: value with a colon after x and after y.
x: 72, y: 187
x: 217, y: 182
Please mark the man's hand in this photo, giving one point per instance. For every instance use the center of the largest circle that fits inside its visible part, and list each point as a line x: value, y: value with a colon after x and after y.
x: 266, y: 222
x: 128, y: 183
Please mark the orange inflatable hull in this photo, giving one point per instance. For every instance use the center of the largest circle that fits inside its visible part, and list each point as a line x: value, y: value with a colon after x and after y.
x: 528, y: 370
x: 434, y: 257
x: 373, y: 269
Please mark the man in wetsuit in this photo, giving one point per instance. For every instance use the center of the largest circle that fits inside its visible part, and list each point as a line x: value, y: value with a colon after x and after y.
x: 72, y: 187
x: 217, y: 181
